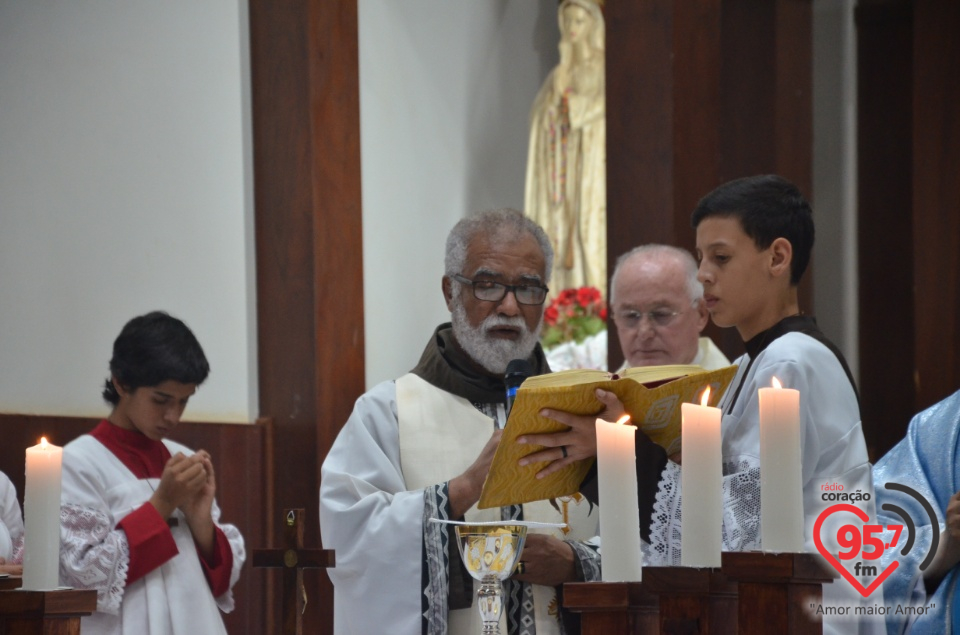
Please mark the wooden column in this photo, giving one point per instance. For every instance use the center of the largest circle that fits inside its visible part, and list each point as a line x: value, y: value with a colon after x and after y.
x: 700, y: 92
x: 936, y: 199
x: 663, y: 122
x: 306, y: 131
x: 884, y: 219
x: 909, y: 194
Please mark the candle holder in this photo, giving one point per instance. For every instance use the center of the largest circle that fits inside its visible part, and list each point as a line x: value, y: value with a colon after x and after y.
x: 490, y: 552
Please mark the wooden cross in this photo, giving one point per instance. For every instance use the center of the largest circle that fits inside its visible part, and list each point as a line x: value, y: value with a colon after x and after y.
x: 293, y: 558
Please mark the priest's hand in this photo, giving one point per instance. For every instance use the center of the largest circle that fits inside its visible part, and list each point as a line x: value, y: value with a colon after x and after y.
x: 182, y: 478
x: 197, y: 510
x: 547, y: 560
x: 579, y: 442
x: 465, y: 489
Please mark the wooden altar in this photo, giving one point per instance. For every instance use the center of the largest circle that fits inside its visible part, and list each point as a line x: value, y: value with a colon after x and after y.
x: 752, y: 593
x: 42, y: 612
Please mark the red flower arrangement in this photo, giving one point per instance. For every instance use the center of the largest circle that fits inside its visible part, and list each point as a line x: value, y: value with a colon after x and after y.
x: 574, y: 315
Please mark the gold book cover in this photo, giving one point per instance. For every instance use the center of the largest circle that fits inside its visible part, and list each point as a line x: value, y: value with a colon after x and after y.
x: 651, y: 395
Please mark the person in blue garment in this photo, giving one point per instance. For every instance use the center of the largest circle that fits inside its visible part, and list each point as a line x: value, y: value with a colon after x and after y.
x: 925, y: 460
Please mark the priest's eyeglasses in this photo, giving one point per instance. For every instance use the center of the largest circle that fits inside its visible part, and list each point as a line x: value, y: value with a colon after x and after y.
x: 491, y: 291
x: 630, y: 319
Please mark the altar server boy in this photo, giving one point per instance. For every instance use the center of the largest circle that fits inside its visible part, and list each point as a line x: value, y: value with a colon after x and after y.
x: 140, y: 523
x: 754, y: 240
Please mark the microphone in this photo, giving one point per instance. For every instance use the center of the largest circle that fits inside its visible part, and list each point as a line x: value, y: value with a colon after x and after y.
x: 517, y: 371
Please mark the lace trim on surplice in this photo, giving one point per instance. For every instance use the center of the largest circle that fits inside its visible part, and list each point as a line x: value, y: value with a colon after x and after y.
x: 741, y: 512
x: 93, y: 555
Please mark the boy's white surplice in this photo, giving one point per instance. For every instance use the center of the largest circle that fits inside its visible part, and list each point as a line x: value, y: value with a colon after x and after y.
x: 833, y: 451
x: 174, y: 599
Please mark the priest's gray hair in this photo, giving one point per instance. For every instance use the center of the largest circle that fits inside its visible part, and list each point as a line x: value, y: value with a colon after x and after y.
x: 655, y: 251
x: 499, y: 226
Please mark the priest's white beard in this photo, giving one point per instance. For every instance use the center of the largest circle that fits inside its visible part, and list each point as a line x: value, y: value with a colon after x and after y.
x: 491, y: 352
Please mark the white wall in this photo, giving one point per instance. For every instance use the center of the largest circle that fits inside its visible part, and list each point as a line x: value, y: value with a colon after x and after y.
x: 125, y: 178
x: 124, y: 187
x: 445, y: 95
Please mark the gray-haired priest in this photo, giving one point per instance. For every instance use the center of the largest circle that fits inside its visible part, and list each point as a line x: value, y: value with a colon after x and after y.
x: 419, y: 447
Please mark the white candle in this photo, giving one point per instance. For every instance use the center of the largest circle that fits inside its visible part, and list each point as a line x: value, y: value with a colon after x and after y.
x: 781, y: 485
x: 41, y: 510
x: 702, y: 483
x: 620, y: 516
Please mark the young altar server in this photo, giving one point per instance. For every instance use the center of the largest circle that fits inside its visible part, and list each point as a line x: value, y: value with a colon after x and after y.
x: 139, y: 521
x: 754, y: 239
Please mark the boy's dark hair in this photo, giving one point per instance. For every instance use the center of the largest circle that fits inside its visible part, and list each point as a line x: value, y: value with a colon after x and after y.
x: 768, y: 207
x: 152, y: 349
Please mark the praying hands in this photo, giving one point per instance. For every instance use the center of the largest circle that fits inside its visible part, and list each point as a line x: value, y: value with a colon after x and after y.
x: 189, y: 484
x: 183, y: 478
x: 198, y: 508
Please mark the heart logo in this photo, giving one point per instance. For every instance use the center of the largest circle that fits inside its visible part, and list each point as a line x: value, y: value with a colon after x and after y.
x: 862, y: 515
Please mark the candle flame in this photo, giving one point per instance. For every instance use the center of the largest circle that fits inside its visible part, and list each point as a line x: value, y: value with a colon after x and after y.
x: 705, y: 399
x: 776, y: 383
x: 623, y: 419
x: 43, y: 443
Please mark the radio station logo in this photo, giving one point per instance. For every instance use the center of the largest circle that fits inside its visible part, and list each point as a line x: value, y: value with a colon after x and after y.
x: 862, y: 544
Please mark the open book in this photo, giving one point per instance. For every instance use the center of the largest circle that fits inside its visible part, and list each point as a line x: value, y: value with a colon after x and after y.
x: 651, y: 394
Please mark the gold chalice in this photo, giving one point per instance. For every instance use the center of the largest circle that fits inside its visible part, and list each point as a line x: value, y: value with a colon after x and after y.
x: 490, y: 552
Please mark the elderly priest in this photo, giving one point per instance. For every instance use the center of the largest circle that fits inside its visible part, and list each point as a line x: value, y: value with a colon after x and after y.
x: 420, y: 446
